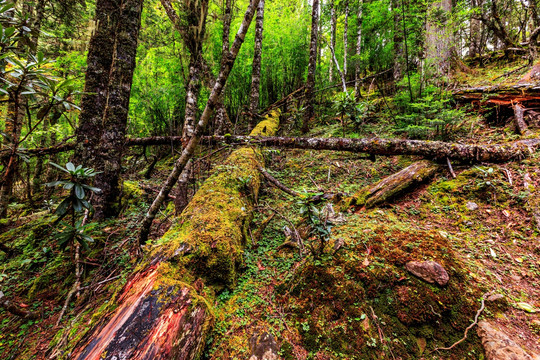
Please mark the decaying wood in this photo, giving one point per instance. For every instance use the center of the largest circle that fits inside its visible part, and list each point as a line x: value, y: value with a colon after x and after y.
x: 504, y: 95
x: 164, y: 311
x: 521, y: 125
x: 394, y: 185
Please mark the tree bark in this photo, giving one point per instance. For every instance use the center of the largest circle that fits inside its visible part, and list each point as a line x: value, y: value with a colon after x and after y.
x: 394, y: 185
x: 159, y: 315
x: 256, y: 72
x: 312, y: 67
x: 94, y: 101
x: 439, y: 38
x: 188, y: 151
x: 357, y: 84
x: 116, y: 113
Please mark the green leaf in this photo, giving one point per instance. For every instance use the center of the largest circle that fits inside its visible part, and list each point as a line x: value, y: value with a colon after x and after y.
x: 59, y: 167
x: 69, y: 185
x: 79, y: 192
x: 61, y: 210
x: 92, y: 188
x: 55, y: 183
x: 77, y: 205
x: 70, y: 166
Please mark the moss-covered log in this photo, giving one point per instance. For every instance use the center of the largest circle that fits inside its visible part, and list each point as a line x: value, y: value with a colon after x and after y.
x: 394, y: 185
x: 164, y: 311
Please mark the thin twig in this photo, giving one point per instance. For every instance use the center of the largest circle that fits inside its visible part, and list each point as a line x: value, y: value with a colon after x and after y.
x: 468, y: 327
x: 450, y: 168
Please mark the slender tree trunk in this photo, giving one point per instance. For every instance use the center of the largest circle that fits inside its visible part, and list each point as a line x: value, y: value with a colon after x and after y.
x: 38, y: 20
x: 256, y: 73
x: 357, y: 84
x: 399, y: 56
x: 188, y: 151
x: 312, y: 67
x: 475, y: 32
x: 192, y: 96
x: 346, y: 38
x: 333, y: 22
x: 116, y: 113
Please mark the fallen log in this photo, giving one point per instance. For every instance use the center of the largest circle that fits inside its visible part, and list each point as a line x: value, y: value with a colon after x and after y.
x: 376, y: 146
x: 393, y: 185
x: 165, y: 311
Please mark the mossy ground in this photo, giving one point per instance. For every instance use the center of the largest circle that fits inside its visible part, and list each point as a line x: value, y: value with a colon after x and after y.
x: 354, y: 302
x: 360, y: 302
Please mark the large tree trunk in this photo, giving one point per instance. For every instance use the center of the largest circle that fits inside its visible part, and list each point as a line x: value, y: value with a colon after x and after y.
x: 439, y: 38
x: 211, y: 104
x: 115, y: 117
x: 394, y: 185
x: 99, y: 63
x: 256, y: 72
x: 159, y: 315
x: 312, y: 67
x: 357, y: 84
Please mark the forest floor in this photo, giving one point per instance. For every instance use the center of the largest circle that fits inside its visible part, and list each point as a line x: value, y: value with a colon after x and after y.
x: 352, y: 300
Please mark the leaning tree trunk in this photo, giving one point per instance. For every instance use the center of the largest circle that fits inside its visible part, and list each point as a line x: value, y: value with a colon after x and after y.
x: 211, y: 105
x: 116, y: 113
x: 394, y: 185
x: 357, y: 89
x: 312, y: 67
x: 256, y: 72
x: 165, y: 310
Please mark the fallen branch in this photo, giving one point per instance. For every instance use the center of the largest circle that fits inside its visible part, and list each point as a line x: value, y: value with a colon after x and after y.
x: 16, y: 310
x: 272, y: 180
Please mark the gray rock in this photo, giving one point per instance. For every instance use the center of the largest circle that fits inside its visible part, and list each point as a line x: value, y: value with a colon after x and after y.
x: 499, y: 346
x: 472, y: 206
x: 429, y: 271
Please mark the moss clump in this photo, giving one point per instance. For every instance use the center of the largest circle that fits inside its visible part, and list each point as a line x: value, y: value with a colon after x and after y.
x: 335, y: 303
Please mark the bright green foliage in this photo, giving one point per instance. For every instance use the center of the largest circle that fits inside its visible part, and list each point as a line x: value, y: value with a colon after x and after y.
x: 77, y: 196
x: 74, y: 203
